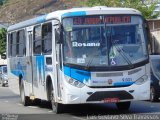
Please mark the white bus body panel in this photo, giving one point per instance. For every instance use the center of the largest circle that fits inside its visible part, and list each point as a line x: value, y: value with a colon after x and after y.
x: 74, y: 95
x: 68, y: 94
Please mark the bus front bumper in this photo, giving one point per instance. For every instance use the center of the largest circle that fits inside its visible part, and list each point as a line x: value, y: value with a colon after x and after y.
x: 74, y: 95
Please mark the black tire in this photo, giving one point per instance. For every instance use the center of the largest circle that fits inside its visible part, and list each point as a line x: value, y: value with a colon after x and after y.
x: 56, y: 107
x: 153, y: 96
x: 123, y: 105
x: 36, y: 102
x: 4, y: 84
x: 25, y: 99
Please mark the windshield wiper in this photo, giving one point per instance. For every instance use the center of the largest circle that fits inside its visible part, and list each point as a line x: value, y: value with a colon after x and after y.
x: 120, y: 51
x: 92, y: 57
x: 90, y: 60
x: 123, y: 54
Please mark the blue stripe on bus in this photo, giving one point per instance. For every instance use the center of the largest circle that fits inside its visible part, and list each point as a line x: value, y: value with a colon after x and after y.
x: 80, y: 75
x: 76, y: 74
x: 41, y: 19
x: 72, y: 14
x: 123, y: 83
x: 67, y: 71
x: 19, y: 69
x: 40, y: 64
x: 17, y: 73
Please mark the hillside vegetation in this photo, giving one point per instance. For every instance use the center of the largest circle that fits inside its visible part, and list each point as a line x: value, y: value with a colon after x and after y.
x: 14, y: 11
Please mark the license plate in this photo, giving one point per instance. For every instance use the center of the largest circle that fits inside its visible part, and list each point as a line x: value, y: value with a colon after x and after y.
x: 111, y: 100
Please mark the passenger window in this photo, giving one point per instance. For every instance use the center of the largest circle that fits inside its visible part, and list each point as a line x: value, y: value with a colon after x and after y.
x: 17, y: 49
x: 9, y: 45
x: 47, y: 38
x: 37, y: 40
x: 21, y: 43
x: 14, y: 37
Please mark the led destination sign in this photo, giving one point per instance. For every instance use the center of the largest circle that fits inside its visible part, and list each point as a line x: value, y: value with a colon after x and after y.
x: 86, y: 20
x: 117, y: 19
x: 97, y: 20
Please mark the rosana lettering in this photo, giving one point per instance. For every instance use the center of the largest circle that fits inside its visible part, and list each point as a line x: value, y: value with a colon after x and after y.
x: 77, y: 44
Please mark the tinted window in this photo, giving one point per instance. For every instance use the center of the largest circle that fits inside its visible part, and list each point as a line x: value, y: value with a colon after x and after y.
x: 17, y: 49
x: 13, y: 37
x: 37, y: 40
x: 47, y: 38
x: 9, y: 45
x: 21, y: 43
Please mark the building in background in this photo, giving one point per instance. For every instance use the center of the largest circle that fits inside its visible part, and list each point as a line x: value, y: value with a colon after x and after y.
x: 157, y: 9
x: 147, y: 2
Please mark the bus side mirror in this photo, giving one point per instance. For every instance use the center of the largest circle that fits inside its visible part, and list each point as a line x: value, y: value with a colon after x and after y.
x: 150, y: 49
x: 59, y: 34
x: 3, y: 56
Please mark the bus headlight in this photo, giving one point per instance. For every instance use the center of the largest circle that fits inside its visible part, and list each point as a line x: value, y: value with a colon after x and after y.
x: 74, y: 82
x: 142, y: 80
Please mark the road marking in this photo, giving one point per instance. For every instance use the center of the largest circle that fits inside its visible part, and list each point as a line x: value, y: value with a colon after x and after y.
x: 79, y: 118
x: 50, y: 111
x: 19, y: 104
x: 33, y: 107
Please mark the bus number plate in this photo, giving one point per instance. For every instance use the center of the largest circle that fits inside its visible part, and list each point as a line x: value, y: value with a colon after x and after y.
x: 111, y: 100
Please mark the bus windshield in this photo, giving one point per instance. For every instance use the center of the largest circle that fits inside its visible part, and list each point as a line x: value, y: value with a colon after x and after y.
x: 104, y: 40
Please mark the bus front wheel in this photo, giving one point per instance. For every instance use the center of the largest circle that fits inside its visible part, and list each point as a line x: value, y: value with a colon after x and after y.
x: 25, y: 99
x: 153, y: 96
x: 56, y: 107
x: 123, y: 105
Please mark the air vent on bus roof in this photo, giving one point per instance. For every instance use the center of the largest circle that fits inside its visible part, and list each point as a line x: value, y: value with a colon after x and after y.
x: 100, y: 7
x: 79, y: 8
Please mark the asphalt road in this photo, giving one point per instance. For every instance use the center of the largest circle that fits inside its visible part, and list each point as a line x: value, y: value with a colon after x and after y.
x: 11, y: 107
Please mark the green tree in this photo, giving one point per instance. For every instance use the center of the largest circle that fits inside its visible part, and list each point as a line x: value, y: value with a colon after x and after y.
x: 3, y: 32
x: 2, y: 2
x: 109, y: 3
x: 146, y: 10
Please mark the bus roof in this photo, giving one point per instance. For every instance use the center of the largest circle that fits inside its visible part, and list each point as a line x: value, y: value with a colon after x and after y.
x: 98, y: 10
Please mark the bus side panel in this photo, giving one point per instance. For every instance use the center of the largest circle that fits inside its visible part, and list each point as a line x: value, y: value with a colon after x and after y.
x: 39, y: 77
x: 12, y: 79
x: 17, y: 68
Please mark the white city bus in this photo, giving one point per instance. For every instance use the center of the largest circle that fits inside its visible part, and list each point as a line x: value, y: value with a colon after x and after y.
x: 80, y: 55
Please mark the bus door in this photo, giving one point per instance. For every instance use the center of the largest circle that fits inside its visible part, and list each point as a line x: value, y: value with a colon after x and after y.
x: 57, y: 58
x: 29, y: 61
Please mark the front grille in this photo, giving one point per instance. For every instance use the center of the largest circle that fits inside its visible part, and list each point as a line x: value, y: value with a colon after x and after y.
x: 109, y: 74
x: 109, y: 86
x: 101, y: 95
